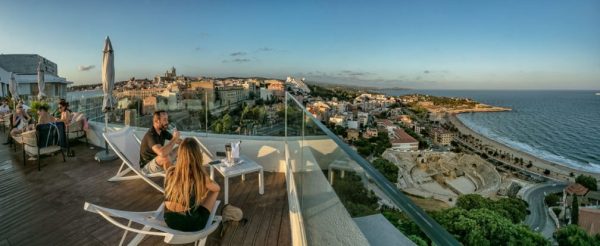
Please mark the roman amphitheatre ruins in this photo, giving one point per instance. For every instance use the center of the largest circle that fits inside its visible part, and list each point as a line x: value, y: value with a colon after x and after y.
x: 444, y: 175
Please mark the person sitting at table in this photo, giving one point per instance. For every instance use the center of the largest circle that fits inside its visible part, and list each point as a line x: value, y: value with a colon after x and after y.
x: 190, y: 194
x: 65, y: 113
x: 20, y: 121
x: 154, y: 154
x: 4, y: 109
x: 43, y: 116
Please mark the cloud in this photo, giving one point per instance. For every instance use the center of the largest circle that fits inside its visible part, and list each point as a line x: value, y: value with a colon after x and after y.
x: 239, y: 53
x: 354, y: 73
x: 86, y: 68
x: 237, y: 60
x: 197, y: 49
x: 426, y: 71
x: 265, y: 49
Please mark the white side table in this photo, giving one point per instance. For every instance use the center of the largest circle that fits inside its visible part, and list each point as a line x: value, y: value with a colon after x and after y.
x: 247, y: 166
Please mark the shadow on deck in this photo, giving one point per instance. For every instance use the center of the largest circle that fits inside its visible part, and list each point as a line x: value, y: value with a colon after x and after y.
x: 46, y: 207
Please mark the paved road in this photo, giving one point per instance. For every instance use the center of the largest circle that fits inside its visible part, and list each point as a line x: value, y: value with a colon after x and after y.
x: 539, y: 219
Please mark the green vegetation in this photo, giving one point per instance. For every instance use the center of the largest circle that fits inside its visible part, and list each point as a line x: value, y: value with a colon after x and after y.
x: 375, y: 145
x: 573, y: 235
x: 420, y: 111
x: 557, y: 211
x: 478, y: 221
x: 387, y: 168
x: 448, y: 102
x: 474, y: 221
x: 575, y: 211
x: 587, y: 181
x: 357, y: 200
x: 512, y: 208
x: 552, y: 199
x: 344, y: 94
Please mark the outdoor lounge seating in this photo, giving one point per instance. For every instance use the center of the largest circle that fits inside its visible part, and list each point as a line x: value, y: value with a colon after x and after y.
x: 76, y: 128
x: 6, y: 123
x: 125, y: 145
x: 46, y: 139
x: 155, y: 225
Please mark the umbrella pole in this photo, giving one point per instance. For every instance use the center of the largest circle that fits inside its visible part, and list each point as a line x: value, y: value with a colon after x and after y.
x: 106, y: 131
x: 105, y: 155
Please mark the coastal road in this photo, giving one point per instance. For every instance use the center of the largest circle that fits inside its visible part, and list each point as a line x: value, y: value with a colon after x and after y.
x: 539, y: 219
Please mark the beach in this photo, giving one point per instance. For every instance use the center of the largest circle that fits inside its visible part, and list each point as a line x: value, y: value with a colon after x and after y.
x: 558, y: 171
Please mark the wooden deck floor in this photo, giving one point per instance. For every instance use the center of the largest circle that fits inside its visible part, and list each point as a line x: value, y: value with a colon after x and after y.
x: 46, y: 207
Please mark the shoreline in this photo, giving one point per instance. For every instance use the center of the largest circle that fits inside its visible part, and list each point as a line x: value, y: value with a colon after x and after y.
x: 558, y: 170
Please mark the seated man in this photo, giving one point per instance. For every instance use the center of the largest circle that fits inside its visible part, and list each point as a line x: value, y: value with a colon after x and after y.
x: 154, y: 154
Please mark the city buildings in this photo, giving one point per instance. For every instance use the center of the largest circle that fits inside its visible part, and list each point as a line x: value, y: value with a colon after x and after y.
x: 231, y: 95
x: 589, y: 220
x: 25, y: 69
x: 442, y: 136
x: 277, y: 88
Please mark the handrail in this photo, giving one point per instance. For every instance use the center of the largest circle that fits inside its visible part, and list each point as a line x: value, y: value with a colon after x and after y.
x: 430, y: 227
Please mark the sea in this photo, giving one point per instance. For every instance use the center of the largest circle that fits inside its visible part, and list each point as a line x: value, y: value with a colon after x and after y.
x: 558, y: 126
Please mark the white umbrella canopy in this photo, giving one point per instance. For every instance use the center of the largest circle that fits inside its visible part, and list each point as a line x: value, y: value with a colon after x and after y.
x: 41, y: 81
x: 108, y: 76
x: 108, y: 84
x: 13, y: 87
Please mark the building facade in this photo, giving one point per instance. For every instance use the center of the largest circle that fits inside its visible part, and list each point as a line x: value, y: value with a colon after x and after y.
x: 25, y: 69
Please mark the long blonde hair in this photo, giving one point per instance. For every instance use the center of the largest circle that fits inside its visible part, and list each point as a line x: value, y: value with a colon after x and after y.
x: 188, y: 177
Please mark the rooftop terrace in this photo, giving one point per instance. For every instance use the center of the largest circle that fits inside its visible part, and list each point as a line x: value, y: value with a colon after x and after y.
x: 46, y: 207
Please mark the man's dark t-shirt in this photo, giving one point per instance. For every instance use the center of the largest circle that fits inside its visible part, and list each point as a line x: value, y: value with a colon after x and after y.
x: 150, y: 139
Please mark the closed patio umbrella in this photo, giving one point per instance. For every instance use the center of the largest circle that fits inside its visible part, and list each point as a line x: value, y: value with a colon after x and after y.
x: 14, y: 92
x: 41, y: 81
x: 108, y: 84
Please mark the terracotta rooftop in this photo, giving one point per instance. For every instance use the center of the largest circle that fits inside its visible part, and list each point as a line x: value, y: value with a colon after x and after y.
x: 400, y: 136
x: 589, y: 220
x: 576, y: 189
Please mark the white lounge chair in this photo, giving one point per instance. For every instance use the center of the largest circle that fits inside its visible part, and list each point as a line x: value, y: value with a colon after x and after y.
x: 76, y: 128
x: 155, y: 225
x: 207, y: 156
x: 125, y: 145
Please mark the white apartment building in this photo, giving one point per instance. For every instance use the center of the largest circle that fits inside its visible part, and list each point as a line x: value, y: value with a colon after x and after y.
x: 25, y: 69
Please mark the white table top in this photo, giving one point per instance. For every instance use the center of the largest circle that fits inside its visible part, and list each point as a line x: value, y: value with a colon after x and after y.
x: 246, y: 165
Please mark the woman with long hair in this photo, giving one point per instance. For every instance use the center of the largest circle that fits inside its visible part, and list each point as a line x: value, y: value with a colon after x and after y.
x: 189, y: 193
x: 65, y: 112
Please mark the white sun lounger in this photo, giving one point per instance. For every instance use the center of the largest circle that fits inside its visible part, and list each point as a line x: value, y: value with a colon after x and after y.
x: 155, y: 225
x: 127, y: 147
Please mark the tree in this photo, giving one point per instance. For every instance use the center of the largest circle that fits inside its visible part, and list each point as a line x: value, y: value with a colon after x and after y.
x: 387, y: 168
x: 587, y: 181
x: 357, y: 200
x: 574, y: 235
x: 552, y: 199
x: 226, y: 123
x: 486, y: 227
x: 417, y: 240
x: 575, y: 211
x: 513, y: 209
x: 472, y: 201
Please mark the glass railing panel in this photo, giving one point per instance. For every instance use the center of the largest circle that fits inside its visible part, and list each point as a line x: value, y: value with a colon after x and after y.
x: 336, y: 181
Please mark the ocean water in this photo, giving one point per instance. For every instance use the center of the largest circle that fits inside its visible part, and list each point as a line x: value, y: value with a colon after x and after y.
x: 558, y: 126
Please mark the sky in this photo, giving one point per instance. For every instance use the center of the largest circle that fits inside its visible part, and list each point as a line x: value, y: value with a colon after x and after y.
x: 504, y: 44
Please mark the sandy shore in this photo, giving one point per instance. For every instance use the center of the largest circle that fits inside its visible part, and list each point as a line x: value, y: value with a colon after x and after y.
x: 558, y: 171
